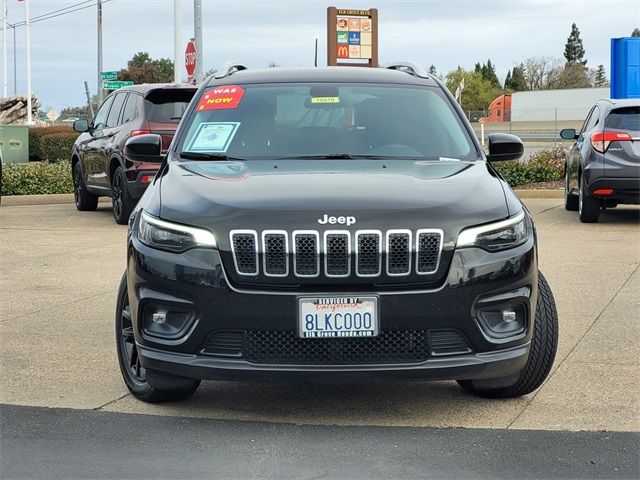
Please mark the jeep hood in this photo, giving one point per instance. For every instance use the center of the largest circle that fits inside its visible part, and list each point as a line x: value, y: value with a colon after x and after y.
x: 294, y: 194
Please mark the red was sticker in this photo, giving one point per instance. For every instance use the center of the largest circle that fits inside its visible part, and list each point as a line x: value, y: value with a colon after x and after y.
x: 225, y: 96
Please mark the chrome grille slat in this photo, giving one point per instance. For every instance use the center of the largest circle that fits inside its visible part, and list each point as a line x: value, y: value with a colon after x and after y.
x: 275, y: 253
x: 368, y: 253
x: 405, y: 252
x: 244, y: 246
x: 399, y: 251
x: 337, y: 253
x: 306, y: 253
x: 428, y: 249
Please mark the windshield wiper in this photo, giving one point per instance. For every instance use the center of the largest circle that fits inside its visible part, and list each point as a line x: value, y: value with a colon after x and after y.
x: 345, y: 156
x: 207, y: 156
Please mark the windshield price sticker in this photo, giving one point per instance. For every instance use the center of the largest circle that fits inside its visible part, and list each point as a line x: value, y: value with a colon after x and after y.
x: 325, y: 99
x: 213, y: 136
x: 226, y: 96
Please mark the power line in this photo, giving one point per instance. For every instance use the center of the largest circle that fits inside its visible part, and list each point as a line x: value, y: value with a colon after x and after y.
x: 60, y: 12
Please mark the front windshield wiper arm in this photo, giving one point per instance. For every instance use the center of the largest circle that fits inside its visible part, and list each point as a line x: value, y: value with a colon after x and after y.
x: 345, y: 156
x: 207, y: 156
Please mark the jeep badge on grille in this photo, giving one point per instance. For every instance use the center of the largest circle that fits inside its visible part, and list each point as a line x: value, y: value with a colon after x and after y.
x: 333, y: 220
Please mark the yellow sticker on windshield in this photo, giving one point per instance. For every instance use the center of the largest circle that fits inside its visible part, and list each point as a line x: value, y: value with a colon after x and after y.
x: 325, y: 99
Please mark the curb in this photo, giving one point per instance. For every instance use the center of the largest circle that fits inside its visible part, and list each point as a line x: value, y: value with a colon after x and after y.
x: 541, y: 193
x: 50, y: 199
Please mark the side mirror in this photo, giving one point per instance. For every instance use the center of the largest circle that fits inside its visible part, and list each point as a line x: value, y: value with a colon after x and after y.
x: 504, y: 146
x: 144, y: 148
x: 81, y: 125
x: 568, y: 133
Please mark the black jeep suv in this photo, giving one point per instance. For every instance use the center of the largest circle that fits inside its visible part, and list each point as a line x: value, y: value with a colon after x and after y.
x: 330, y: 222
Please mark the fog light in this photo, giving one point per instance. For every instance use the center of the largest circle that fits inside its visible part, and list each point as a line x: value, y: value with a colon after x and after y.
x: 502, y: 322
x: 166, y: 322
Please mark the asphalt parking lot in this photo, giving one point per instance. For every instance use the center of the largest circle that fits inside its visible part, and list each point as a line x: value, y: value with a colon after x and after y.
x: 60, y: 268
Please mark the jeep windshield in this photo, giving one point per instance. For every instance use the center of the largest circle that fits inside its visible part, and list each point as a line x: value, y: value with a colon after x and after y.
x: 322, y: 120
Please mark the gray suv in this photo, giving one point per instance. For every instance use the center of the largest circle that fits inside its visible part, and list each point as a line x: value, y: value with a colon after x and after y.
x: 603, y: 166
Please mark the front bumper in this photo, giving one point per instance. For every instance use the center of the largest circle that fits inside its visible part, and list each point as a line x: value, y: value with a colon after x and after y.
x: 195, y: 281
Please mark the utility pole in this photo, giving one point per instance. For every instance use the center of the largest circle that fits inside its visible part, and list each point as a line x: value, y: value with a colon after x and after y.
x: 177, y: 55
x: 100, y: 90
x: 28, y: 27
x: 5, y: 75
x: 197, y: 30
x: 15, y: 64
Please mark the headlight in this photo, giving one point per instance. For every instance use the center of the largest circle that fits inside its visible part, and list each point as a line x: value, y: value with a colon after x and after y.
x: 172, y: 237
x: 496, y: 236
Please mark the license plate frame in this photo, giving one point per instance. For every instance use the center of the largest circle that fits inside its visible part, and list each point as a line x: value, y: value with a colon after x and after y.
x: 323, y: 304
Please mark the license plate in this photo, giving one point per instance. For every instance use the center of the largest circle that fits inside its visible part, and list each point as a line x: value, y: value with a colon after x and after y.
x: 323, y: 317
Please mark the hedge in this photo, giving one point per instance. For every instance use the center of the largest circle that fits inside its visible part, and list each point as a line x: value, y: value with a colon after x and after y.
x: 36, y: 134
x: 36, y: 177
x: 57, y: 146
x: 546, y: 165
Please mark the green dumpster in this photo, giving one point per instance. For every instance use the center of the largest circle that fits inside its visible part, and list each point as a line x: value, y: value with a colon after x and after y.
x: 14, y: 143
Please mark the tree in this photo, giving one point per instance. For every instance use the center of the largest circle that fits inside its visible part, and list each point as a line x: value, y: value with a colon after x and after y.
x: 636, y: 32
x: 143, y: 69
x: 478, y: 92
x: 573, y: 49
x: 573, y: 75
x: 541, y: 73
x: 273, y: 65
x: 489, y: 73
x: 507, y: 81
x: 518, y: 82
x: 600, y: 77
x: 433, y: 71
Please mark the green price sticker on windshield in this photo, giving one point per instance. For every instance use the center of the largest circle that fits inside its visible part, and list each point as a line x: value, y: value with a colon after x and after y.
x: 325, y: 99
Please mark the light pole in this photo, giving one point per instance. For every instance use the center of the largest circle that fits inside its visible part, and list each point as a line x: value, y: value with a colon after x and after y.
x: 197, y: 30
x: 28, y: 27
x: 100, y: 91
x: 5, y: 85
x: 177, y: 64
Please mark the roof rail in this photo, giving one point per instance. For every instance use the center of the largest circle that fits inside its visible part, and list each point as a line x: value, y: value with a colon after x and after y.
x: 411, y: 68
x: 229, y: 68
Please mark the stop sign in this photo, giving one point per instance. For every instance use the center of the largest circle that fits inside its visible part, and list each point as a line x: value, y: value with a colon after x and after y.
x: 190, y: 58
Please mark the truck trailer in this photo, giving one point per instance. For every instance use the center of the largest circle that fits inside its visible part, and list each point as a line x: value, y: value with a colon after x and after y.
x: 544, y: 105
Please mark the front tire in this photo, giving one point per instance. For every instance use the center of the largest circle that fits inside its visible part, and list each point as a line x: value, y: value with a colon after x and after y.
x: 588, y: 206
x: 171, y: 388
x: 542, y: 352
x: 120, y: 199
x: 84, y: 200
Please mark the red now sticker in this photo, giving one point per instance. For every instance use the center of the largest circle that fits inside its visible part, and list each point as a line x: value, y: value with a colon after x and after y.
x: 226, y: 96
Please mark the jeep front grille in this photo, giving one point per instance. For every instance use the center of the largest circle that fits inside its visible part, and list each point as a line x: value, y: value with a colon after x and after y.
x: 336, y: 253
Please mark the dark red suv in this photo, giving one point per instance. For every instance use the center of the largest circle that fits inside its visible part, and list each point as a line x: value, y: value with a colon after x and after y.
x: 99, y: 165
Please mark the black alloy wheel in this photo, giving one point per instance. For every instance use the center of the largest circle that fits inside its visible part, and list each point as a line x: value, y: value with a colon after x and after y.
x: 138, y: 379
x: 84, y: 200
x: 122, y: 202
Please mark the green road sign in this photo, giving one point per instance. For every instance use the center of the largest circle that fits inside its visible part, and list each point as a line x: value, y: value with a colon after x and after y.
x: 109, y: 75
x: 116, y: 85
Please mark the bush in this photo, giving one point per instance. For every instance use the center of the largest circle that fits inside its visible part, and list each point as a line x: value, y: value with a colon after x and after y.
x: 36, y: 134
x: 36, y: 177
x: 57, y: 146
x: 546, y: 165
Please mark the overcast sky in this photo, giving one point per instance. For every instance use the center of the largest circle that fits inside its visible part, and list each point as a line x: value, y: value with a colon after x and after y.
x: 443, y: 33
